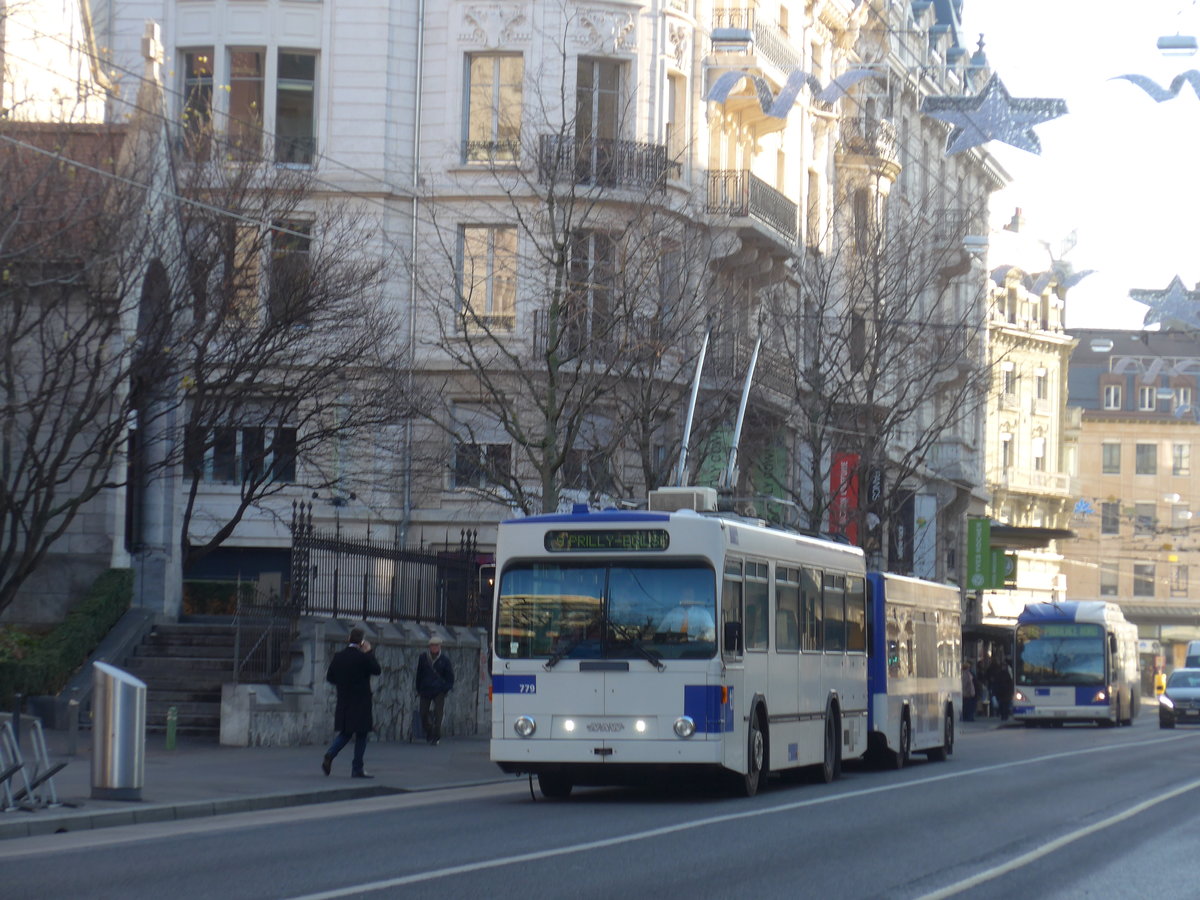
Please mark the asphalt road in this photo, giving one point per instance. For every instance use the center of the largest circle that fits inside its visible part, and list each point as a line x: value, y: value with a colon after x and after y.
x: 1039, y: 813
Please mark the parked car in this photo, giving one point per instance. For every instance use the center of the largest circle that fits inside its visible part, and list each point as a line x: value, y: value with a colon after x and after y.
x: 1181, y: 700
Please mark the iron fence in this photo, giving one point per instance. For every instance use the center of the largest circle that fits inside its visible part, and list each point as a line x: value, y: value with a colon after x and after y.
x: 344, y: 576
x: 264, y: 628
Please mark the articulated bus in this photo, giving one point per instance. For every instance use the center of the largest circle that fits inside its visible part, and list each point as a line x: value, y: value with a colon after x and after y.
x: 1076, y: 661
x: 915, y: 670
x: 633, y: 641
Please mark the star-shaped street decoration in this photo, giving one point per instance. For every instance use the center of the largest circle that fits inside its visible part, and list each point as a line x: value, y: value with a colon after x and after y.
x: 779, y: 106
x: 1174, y: 307
x: 992, y: 115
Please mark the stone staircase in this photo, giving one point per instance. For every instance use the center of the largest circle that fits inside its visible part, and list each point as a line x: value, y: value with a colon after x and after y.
x: 184, y: 665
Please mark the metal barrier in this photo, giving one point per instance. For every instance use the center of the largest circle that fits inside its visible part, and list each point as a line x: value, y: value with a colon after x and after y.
x: 118, y: 734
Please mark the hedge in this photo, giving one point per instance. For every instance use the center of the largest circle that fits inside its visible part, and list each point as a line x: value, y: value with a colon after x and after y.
x: 48, y: 666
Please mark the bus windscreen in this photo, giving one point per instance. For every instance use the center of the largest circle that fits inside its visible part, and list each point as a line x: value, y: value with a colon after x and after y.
x: 617, y: 611
x: 1060, y: 654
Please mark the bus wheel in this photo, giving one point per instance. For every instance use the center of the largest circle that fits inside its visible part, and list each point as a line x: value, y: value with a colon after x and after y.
x: 555, y: 785
x: 903, y: 752
x: 939, y: 754
x: 756, y: 757
x: 831, y: 765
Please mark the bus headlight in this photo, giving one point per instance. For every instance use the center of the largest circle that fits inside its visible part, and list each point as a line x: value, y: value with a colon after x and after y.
x: 568, y: 725
x: 640, y: 726
x: 1017, y: 695
x: 1101, y: 696
x: 685, y: 727
x: 524, y: 726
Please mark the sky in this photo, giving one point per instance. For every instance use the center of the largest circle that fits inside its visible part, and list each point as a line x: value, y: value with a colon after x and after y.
x: 1119, y: 170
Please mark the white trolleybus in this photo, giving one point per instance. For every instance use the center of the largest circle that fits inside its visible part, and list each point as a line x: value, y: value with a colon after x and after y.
x: 915, y: 668
x: 628, y: 642
x: 1075, y: 661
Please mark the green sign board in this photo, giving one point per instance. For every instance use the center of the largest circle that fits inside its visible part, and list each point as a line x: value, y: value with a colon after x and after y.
x: 988, y: 567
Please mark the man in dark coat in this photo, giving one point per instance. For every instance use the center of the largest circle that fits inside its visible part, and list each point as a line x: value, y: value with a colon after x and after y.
x: 435, y: 677
x: 350, y: 671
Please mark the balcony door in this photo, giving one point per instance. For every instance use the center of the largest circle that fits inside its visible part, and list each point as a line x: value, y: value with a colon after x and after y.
x: 597, y: 120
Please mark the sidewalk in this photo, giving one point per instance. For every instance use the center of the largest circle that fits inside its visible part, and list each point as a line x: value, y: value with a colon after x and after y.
x: 202, y: 778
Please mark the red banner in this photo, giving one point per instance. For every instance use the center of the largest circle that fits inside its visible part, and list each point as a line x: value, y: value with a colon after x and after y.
x: 843, y: 493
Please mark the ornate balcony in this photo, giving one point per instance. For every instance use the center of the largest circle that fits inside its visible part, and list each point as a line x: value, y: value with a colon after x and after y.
x: 739, y: 194
x: 872, y: 137
x: 737, y: 30
x: 602, y: 163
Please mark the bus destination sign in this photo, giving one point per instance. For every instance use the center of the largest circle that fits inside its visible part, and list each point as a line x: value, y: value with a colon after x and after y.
x: 628, y: 539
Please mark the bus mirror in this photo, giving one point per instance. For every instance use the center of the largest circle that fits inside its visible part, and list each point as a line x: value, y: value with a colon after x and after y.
x: 1112, y: 643
x: 733, y: 638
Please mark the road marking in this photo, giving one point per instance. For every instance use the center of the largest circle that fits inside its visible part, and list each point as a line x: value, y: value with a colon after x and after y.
x: 1057, y: 843
x: 499, y: 862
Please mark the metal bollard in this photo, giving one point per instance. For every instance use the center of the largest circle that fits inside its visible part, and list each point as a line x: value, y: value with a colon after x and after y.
x: 172, y: 722
x: 72, y: 726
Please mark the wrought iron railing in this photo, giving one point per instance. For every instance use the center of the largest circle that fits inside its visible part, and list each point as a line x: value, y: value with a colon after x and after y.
x: 730, y: 357
x: 491, y: 152
x: 602, y: 162
x: 339, y: 575
x: 870, y: 136
x: 732, y: 25
x: 740, y: 194
x: 265, y: 626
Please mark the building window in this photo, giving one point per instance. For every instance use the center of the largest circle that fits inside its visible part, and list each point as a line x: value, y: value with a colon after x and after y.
x: 1146, y: 459
x: 488, y: 282
x: 1112, y: 396
x: 587, y: 470
x: 1110, y: 458
x: 1041, y: 385
x: 1110, y: 518
x: 1039, y: 454
x: 481, y: 465
x: 1145, y: 518
x: 1110, y: 579
x: 288, y: 299
x: 1179, y: 581
x: 587, y: 316
x: 230, y: 455
x: 1009, y: 383
x: 197, y: 102
x: 1181, y: 459
x: 1143, y: 580
x: 495, y: 94
x: 246, y: 86
x: 1183, y: 398
x: 1146, y: 398
x: 677, y: 130
x: 1006, y: 452
x: 597, y: 121
x: 295, y: 108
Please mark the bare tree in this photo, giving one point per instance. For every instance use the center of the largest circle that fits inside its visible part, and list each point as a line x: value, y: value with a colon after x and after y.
x: 566, y: 289
x: 278, y: 339
x: 885, y: 335
x: 74, y: 223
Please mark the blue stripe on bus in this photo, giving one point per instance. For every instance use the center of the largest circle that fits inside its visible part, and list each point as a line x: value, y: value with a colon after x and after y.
x: 702, y: 703
x: 1085, y: 695
x: 628, y: 516
x: 514, y: 684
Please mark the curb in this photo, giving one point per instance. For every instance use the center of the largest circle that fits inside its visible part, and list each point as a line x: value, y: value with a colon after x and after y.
x: 43, y: 822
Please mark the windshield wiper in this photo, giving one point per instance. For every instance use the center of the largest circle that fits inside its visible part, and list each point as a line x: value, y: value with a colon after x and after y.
x: 559, y: 655
x: 636, y: 646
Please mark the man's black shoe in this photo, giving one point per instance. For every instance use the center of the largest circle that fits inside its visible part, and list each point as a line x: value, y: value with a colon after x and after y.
x: 361, y: 775
x: 326, y: 763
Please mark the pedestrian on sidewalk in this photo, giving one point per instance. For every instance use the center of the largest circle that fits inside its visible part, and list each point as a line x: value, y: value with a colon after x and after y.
x: 968, y: 693
x: 350, y: 672
x: 435, y: 678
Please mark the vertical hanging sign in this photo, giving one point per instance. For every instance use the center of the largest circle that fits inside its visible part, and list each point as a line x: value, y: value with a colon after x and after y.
x: 843, y: 493
x: 979, y: 553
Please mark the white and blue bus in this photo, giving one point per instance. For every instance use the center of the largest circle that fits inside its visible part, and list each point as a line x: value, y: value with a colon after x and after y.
x: 1075, y: 661
x: 627, y: 642
x: 915, y: 670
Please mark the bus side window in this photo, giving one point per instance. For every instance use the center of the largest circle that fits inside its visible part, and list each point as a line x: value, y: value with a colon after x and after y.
x: 810, y: 609
x: 856, y: 615
x: 731, y: 603
x: 834, y: 590
x: 757, y: 594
